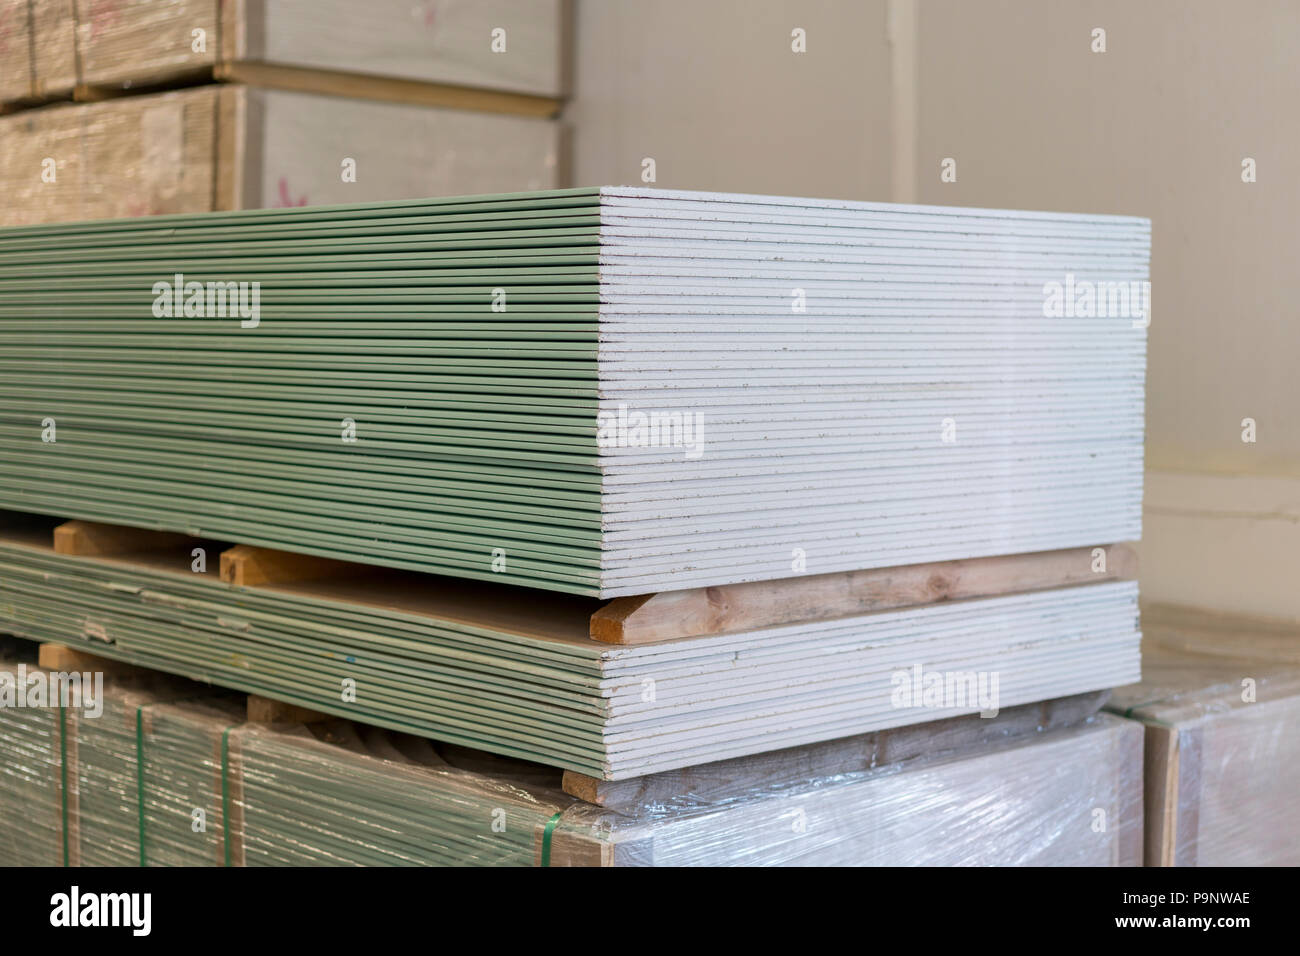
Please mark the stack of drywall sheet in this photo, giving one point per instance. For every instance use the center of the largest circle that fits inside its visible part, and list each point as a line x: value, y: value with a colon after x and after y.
x: 1220, y: 701
x: 606, y: 392
x: 332, y: 794
x: 520, y: 676
x: 238, y: 147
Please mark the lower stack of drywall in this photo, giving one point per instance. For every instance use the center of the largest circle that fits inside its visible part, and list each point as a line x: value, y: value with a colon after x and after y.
x: 477, y: 668
x: 159, y: 760
x: 1220, y: 701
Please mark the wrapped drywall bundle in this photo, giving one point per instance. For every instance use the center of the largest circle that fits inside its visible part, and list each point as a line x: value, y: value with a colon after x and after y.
x: 1065, y: 797
x: 146, y: 778
x: 168, y: 776
x: 1220, y: 703
x: 110, y: 769
x: 31, y: 819
x: 241, y: 147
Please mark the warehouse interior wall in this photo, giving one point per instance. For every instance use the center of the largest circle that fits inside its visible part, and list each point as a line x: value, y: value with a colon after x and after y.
x: 714, y: 93
x: 1158, y: 125
x: 1034, y: 115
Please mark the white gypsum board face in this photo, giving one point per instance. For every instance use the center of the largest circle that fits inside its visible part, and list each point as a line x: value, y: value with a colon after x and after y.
x: 640, y: 196
x: 913, y: 318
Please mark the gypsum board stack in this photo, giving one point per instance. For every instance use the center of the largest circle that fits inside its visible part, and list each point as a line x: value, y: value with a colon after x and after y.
x: 364, y: 798
x: 349, y: 795
x: 515, y: 675
x: 683, y: 389
x: 474, y: 428
x: 155, y: 757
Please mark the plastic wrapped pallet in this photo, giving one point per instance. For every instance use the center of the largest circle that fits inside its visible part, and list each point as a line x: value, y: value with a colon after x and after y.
x: 119, y: 773
x: 145, y: 780
x: 236, y: 147
x: 31, y: 820
x: 1070, y: 797
x: 344, y: 795
x: 124, y: 43
x: 1220, y: 703
x: 334, y: 794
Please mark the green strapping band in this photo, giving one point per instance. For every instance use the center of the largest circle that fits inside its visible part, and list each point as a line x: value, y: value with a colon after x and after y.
x: 225, y: 789
x: 551, y: 824
x: 63, y: 773
x: 139, y: 775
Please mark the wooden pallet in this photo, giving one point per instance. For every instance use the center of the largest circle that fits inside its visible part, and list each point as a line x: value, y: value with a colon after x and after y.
x: 694, y: 612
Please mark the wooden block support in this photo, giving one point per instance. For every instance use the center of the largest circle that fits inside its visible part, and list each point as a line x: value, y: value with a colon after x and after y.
x: 92, y: 539
x: 264, y: 710
x: 726, y: 609
x: 60, y: 657
x: 577, y: 846
x: 247, y: 566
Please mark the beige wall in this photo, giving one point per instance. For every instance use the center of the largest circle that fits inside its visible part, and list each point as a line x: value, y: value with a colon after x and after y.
x: 711, y: 90
x: 1157, y: 126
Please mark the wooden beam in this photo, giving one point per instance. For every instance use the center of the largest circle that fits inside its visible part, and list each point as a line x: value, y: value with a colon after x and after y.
x: 60, y: 657
x: 580, y: 847
x: 726, y: 609
x: 92, y: 539
x: 247, y: 566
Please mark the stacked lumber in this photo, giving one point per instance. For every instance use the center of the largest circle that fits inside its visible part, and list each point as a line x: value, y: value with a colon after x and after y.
x: 1220, y: 703
x: 463, y: 386
x: 331, y: 793
x: 491, y: 669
